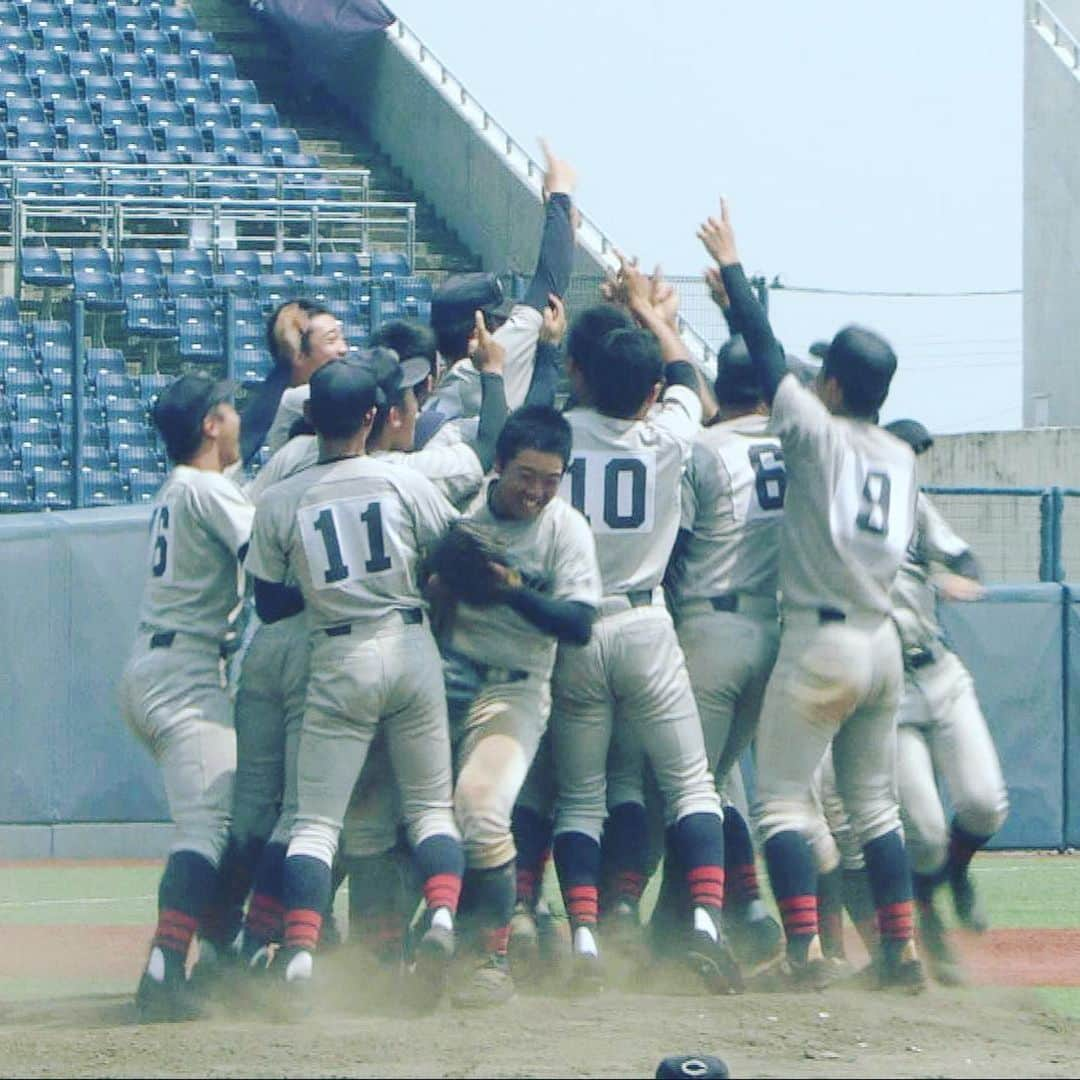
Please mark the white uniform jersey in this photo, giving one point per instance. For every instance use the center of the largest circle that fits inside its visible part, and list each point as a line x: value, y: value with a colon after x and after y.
x: 200, y: 525
x: 290, y: 409
x: 458, y: 392
x: 625, y: 476
x: 555, y: 555
x: 351, y: 532
x: 849, y: 508
x: 732, y: 512
x: 455, y: 469
x: 914, y: 598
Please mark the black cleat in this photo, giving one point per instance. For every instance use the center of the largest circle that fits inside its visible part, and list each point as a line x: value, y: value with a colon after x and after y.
x: 714, y: 961
x: 940, y: 958
x: 754, y: 941
x: 489, y: 984
x: 896, y: 973
x: 433, y: 957
x: 166, y: 1002
x: 969, y: 910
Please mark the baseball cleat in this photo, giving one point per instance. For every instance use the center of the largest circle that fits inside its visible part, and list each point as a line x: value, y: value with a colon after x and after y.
x: 432, y: 959
x: 489, y: 984
x: 969, y: 910
x: 754, y: 941
x: 524, y: 945
x: 940, y: 958
x: 586, y: 974
x: 900, y: 971
x: 623, y: 932
x: 166, y: 1001
x: 714, y: 961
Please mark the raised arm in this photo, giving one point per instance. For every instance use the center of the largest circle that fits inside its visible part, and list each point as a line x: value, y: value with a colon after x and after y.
x: 548, y: 365
x: 556, y: 258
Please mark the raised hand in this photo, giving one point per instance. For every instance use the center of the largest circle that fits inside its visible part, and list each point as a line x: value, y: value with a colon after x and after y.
x: 719, y: 237
x: 488, y: 356
x: 554, y: 326
x: 560, y: 177
x: 715, y: 280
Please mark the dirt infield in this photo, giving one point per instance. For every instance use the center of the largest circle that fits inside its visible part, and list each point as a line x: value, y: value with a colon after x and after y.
x: 843, y: 1032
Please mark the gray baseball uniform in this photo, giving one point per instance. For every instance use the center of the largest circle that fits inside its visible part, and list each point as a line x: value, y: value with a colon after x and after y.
x: 942, y: 730
x: 848, y: 516
x: 625, y: 476
x: 173, y: 690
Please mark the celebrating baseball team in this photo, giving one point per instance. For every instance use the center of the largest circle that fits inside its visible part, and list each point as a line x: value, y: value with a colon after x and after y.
x: 488, y: 632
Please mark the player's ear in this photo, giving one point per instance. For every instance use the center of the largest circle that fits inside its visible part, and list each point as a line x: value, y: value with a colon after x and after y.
x: 654, y: 395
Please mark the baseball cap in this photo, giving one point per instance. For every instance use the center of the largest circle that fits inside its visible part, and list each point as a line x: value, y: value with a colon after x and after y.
x: 863, y: 363
x: 391, y: 374
x: 458, y: 298
x: 343, y: 392
x: 913, y: 433
x: 692, y: 1067
x: 819, y: 349
x: 736, y: 378
x: 180, y: 409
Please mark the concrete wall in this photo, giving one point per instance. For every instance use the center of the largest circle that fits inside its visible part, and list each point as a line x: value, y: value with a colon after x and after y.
x: 1051, y: 226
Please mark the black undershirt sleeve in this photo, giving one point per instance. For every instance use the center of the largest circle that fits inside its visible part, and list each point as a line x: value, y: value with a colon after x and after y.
x: 556, y: 258
x: 274, y: 601
x: 567, y: 620
x: 966, y: 565
x: 492, y: 418
x: 546, y: 369
x: 753, y: 324
x: 681, y: 373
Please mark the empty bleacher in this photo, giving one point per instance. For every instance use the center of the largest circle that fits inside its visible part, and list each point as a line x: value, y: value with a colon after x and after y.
x: 145, y: 176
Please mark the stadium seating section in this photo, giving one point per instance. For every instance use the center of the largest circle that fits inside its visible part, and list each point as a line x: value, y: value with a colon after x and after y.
x: 85, y: 86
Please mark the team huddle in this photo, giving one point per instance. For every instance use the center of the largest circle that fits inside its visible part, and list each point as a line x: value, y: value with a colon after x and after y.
x: 489, y: 632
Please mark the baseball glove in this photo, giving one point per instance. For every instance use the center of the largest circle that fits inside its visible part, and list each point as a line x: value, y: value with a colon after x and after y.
x: 462, y: 560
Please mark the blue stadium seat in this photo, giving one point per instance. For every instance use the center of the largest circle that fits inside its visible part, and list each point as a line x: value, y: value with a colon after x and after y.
x: 132, y: 17
x: 14, y: 490
x: 211, y: 114
x: 59, y: 380
x: 7, y: 458
x: 71, y: 111
x: 360, y: 294
x: 275, y: 289
x: 183, y: 140
x: 191, y: 261
x: 60, y: 39
x: 104, y: 40
x: 176, y: 19
x: 295, y: 264
x: 88, y: 137
x: 20, y: 383
x: 182, y: 285
x: 170, y: 66
x: 389, y: 264
x: 228, y: 140
x: 102, y: 488
x: 133, y: 137
x: 323, y: 288
x: 130, y: 184
x: 150, y: 317
x: 87, y: 65
x: 117, y: 157
x: 256, y: 115
x: 25, y: 111
x: 144, y: 486
x: 42, y: 267
x: 194, y: 42
x: 163, y: 157
x: 10, y: 15
x: 34, y: 458
x: 229, y: 281
x: 48, y: 333
x: 91, y: 258
x: 128, y: 65
x: 9, y: 308
x: 241, y: 262
x: 237, y: 92
x: 124, y: 432
x: 214, y: 67
x: 74, y: 186
x: 35, y: 407
x: 247, y: 338
x: 190, y: 91
x: 53, y: 488
x: 323, y: 189
x: 98, y: 291
x: 147, y: 88
x: 152, y: 40
x: 25, y: 153
x: 13, y: 341
x: 151, y: 386
x: 223, y: 188
x: 141, y: 261
x: 340, y: 264
x: 201, y: 341
x: 101, y: 359
x: 124, y: 408
x: 163, y: 114
x: 279, y: 141
x: 71, y: 161
x: 102, y: 88
x: 13, y: 85
x: 84, y: 16
x: 95, y: 457
x: 57, y: 87
x: 113, y: 113
x: 253, y: 365
x: 38, y: 62
x: 15, y: 40
x: 42, y: 13
x: 136, y: 286
x: 194, y: 310
x: 112, y: 386
x: 36, y: 432
x: 135, y: 459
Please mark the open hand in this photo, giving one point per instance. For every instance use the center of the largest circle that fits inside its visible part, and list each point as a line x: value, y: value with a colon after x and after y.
x: 560, y: 177
x: 554, y: 326
x: 488, y: 356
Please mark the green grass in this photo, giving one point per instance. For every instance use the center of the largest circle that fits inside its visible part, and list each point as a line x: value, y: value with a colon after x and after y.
x: 1062, y: 999
x: 40, y: 894
x: 1030, y: 891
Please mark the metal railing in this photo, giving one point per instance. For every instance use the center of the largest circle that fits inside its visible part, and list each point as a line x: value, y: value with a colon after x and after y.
x: 114, y: 222
x: 1056, y: 34
x: 521, y: 162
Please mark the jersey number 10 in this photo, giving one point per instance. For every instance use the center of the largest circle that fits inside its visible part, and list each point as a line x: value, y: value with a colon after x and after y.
x: 615, y: 493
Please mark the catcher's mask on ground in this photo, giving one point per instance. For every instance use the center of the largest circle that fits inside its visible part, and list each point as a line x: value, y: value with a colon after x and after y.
x: 526, y: 484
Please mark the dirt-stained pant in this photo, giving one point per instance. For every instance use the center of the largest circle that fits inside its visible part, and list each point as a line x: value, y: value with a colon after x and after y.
x: 497, y: 719
x: 839, y: 682
x: 631, y: 673
x: 943, y: 734
x: 175, y: 700
x: 270, y: 697
x: 831, y: 836
x: 390, y: 676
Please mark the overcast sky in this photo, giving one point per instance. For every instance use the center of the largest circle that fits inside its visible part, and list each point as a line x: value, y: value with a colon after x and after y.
x: 862, y: 146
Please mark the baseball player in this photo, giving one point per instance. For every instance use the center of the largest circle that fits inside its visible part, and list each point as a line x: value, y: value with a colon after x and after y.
x: 352, y: 530
x: 942, y: 731
x: 625, y: 476
x: 498, y: 662
x: 173, y: 691
x: 849, y: 512
x: 456, y: 300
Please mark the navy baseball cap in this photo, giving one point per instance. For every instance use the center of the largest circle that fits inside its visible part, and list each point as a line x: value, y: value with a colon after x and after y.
x: 736, y: 377
x: 863, y: 363
x: 460, y: 296
x: 343, y: 392
x: 692, y: 1067
x: 391, y: 374
x: 181, y: 408
x: 913, y: 433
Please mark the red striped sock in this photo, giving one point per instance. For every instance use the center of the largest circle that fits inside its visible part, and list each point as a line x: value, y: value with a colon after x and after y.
x: 494, y: 939
x: 443, y: 891
x: 629, y: 885
x: 528, y: 886
x: 174, y: 932
x: 265, y: 917
x: 582, y: 904
x: 896, y: 921
x: 800, y: 916
x: 743, y: 883
x: 706, y: 884
x: 302, y: 927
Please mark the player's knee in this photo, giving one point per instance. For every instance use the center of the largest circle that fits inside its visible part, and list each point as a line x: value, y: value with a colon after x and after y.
x: 783, y: 815
x: 873, y: 819
x: 437, y: 821
x: 489, y: 850
x: 984, y: 815
x: 316, y: 839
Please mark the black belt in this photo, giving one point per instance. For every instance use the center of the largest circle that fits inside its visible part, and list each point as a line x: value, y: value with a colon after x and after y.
x: 491, y: 673
x: 409, y: 616
x: 640, y: 597
x: 164, y: 639
x: 830, y: 614
x: 918, y: 657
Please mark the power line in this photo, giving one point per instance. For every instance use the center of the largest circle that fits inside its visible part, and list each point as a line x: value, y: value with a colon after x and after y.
x: 777, y: 285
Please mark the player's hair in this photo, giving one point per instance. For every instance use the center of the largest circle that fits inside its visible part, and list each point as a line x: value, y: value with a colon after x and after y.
x: 453, y: 339
x: 591, y: 327
x: 305, y: 335
x: 626, y: 367
x: 534, y: 427
x: 408, y: 338
x: 863, y: 363
x: 285, y: 328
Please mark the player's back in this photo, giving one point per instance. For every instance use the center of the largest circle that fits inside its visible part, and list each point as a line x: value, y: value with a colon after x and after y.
x: 849, y: 507
x: 624, y: 476
x: 732, y: 511
x: 352, y: 531
x: 201, y: 521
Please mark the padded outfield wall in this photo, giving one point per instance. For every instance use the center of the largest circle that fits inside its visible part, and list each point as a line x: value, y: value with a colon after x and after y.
x: 74, y: 781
